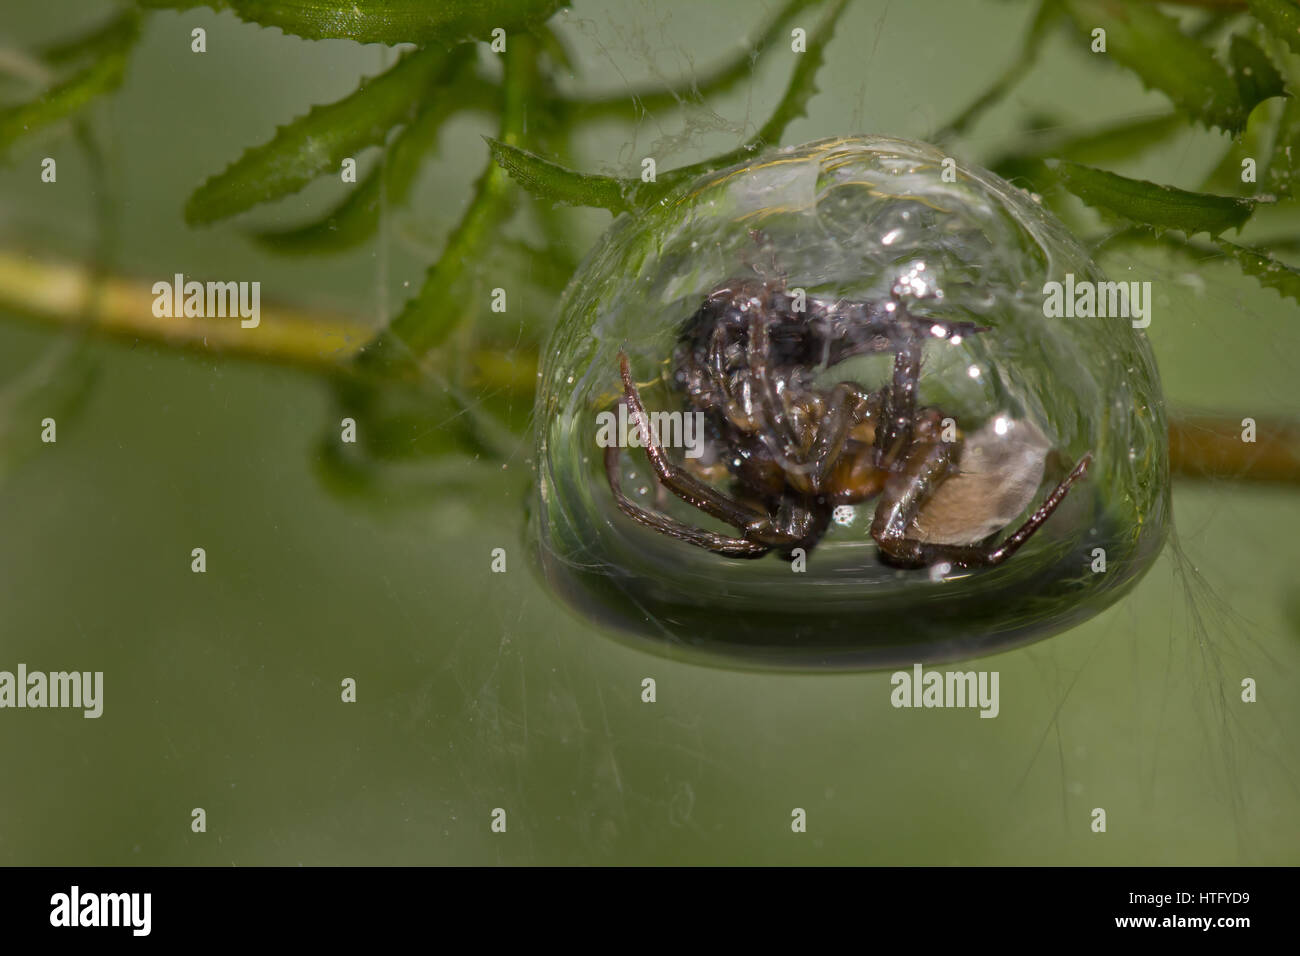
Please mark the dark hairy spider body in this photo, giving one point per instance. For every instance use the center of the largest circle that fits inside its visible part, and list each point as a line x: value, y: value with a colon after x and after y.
x: 792, y: 450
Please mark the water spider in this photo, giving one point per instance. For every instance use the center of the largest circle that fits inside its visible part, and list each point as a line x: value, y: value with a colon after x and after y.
x: 793, y: 451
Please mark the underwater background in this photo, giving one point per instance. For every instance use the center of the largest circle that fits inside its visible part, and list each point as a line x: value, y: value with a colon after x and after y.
x: 480, y: 690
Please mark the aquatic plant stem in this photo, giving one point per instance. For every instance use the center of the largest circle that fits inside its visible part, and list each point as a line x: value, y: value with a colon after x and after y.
x: 323, y: 342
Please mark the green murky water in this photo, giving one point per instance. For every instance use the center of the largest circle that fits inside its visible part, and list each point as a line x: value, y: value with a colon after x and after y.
x: 477, y: 690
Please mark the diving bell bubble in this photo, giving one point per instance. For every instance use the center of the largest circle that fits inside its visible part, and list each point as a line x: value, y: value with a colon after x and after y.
x: 857, y: 220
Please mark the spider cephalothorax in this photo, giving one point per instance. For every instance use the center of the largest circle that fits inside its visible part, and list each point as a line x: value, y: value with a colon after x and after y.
x: 747, y: 360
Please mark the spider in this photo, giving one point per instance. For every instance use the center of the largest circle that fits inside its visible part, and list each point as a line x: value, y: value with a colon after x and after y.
x: 793, y: 451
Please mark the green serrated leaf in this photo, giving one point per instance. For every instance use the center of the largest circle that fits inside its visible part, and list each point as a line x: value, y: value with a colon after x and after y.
x: 1226, y: 177
x: 1123, y: 140
x: 66, y: 98
x: 552, y: 181
x: 803, y: 81
x: 1286, y: 150
x: 381, y: 21
x: 1116, y: 141
x: 356, y: 218
x: 1270, y: 271
x: 318, y: 142
x: 1151, y: 44
x: 1256, y: 77
x: 1281, y: 18
x: 431, y: 315
x: 549, y: 180
x: 1152, y: 205
x: 739, y: 67
x: 800, y: 90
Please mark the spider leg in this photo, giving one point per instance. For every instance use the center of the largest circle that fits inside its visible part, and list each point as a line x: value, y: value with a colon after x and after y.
x: 847, y: 405
x: 717, y: 371
x: 909, y: 552
x: 866, y: 328
x: 710, y: 541
x: 807, y: 469
x: 895, y: 434
x: 920, y: 471
x: 758, y: 350
x: 681, y: 483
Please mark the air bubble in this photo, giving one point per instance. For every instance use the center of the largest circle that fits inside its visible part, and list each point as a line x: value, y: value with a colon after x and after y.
x: 851, y: 220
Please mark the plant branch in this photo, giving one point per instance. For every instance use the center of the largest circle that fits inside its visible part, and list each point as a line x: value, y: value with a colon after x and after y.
x: 1212, y: 447
x: 425, y: 322
x: 317, y: 341
x: 57, y: 293
x: 325, y: 342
